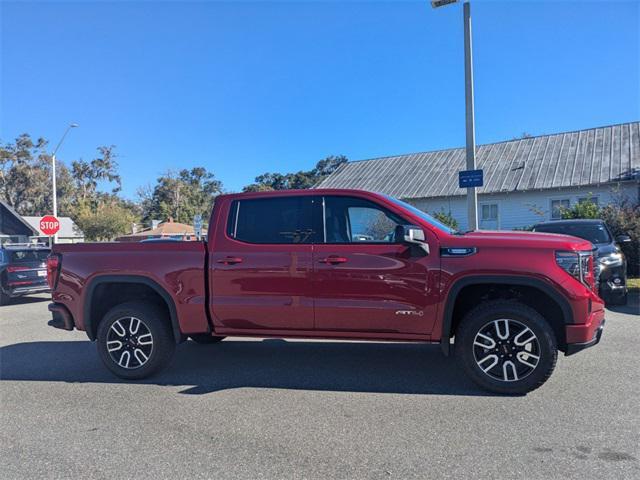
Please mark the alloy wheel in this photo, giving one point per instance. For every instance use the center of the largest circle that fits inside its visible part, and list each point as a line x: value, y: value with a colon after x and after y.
x: 506, y: 350
x: 129, y: 342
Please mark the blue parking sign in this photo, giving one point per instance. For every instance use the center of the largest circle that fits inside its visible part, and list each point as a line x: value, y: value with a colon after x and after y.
x: 470, y: 178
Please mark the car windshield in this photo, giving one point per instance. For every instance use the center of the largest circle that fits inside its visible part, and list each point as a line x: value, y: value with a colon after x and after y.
x: 423, y: 215
x: 24, y: 256
x: 594, y: 232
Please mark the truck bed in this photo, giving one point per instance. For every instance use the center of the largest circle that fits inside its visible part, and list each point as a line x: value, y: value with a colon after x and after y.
x: 176, y: 267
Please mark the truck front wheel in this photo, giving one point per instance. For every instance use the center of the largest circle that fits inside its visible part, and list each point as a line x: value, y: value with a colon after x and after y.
x: 135, y: 340
x: 506, y: 347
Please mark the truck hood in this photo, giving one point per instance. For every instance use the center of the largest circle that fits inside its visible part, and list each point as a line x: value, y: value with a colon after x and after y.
x: 506, y: 239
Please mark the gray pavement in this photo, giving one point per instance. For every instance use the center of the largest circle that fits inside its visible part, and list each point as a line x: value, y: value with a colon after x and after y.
x: 251, y: 408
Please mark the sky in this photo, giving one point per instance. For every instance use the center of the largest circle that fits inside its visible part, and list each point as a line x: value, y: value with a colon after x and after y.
x: 243, y: 88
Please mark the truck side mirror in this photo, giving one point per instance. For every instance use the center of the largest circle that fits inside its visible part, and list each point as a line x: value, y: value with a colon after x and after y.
x: 412, y: 235
x: 623, y: 239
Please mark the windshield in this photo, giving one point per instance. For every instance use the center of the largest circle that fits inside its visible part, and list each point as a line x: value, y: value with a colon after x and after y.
x: 594, y: 232
x: 423, y: 215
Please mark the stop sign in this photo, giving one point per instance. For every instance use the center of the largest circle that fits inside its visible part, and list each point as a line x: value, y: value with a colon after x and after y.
x: 49, y: 225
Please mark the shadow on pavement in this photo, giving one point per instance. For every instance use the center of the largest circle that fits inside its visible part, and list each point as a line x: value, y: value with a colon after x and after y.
x: 272, y: 363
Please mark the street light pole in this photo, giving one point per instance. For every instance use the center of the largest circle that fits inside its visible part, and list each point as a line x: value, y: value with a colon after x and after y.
x: 53, y: 174
x: 472, y: 196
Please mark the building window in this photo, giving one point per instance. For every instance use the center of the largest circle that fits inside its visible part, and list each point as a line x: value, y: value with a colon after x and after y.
x: 557, y: 206
x: 593, y: 200
x: 490, y: 212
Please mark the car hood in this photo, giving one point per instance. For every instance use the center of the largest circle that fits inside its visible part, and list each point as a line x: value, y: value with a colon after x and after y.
x: 605, y: 249
x: 501, y: 238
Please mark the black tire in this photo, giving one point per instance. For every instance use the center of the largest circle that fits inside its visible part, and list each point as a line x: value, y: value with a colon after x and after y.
x: 617, y: 300
x: 205, y: 338
x: 513, y: 373
x: 4, y: 298
x: 153, y: 321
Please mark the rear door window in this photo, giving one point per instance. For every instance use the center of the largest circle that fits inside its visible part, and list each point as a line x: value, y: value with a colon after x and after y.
x: 280, y: 220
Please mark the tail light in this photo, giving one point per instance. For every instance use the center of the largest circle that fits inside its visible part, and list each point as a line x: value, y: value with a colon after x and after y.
x: 13, y: 268
x: 53, y: 269
x: 579, y: 265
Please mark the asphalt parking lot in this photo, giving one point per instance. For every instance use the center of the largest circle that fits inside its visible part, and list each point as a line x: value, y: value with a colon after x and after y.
x: 250, y: 408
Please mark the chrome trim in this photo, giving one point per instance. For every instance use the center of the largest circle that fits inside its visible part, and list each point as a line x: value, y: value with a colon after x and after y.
x: 235, y: 225
x: 324, y: 222
x: 457, y: 251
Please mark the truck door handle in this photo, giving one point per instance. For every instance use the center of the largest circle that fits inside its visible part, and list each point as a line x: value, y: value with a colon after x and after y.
x: 333, y: 260
x: 230, y: 260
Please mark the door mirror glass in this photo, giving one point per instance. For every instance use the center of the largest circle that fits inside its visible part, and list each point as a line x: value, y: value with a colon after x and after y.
x: 412, y: 235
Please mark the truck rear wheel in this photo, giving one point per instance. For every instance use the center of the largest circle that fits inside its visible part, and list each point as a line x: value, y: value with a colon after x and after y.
x: 506, y: 347
x: 135, y: 340
x: 205, y: 338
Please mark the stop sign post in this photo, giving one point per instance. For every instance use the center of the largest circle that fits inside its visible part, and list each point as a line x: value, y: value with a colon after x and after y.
x: 49, y: 225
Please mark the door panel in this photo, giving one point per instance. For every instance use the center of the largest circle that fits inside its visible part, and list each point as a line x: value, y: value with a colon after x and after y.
x: 266, y: 290
x: 377, y: 288
x: 364, y: 280
x: 261, y: 265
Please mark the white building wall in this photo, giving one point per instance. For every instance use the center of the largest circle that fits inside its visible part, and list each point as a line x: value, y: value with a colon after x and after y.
x: 521, y: 209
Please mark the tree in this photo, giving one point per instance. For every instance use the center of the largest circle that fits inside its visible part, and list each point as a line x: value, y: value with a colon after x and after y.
x: 25, y: 177
x: 180, y: 195
x: 298, y: 180
x: 446, y: 218
x: 86, y: 175
x: 106, y: 220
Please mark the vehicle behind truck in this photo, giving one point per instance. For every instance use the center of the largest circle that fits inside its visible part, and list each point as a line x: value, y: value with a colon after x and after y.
x: 335, y: 264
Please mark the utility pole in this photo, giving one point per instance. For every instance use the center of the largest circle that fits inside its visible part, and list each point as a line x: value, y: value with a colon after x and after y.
x: 53, y: 174
x: 472, y: 195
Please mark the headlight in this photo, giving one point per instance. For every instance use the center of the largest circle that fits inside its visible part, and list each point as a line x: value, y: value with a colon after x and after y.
x: 612, y: 260
x: 579, y: 265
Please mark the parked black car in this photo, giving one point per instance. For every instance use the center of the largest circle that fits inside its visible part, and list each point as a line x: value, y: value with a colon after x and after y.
x: 23, y: 270
x: 611, y: 265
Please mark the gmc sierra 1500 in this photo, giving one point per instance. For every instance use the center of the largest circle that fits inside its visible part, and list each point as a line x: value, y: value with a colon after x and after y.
x: 340, y: 264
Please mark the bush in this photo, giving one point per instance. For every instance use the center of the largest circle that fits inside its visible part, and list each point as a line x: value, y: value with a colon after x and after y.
x: 446, y: 218
x: 584, y: 209
x: 624, y: 219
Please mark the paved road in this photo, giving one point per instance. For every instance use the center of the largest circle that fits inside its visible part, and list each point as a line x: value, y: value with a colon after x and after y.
x: 288, y: 409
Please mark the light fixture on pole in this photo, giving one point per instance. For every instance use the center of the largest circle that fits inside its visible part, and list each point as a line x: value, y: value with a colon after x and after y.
x: 472, y: 196
x: 53, y: 172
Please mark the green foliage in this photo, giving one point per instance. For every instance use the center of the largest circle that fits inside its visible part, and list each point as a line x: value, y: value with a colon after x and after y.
x: 25, y: 173
x: 624, y: 219
x: 446, y: 218
x: 86, y: 175
x: 25, y: 177
x: 526, y: 228
x: 180, y: 196
x: 584, y: 209
x: 106, y: 220
x: 298, y: 180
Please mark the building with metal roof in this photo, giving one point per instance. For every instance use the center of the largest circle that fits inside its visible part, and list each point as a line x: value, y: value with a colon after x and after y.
x: 526, y: 180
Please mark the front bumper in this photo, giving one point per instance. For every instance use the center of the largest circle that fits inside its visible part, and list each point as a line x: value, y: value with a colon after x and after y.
x: 579, y: 346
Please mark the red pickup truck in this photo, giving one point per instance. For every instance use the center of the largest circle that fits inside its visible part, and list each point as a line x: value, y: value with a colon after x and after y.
x: 338, y: 264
